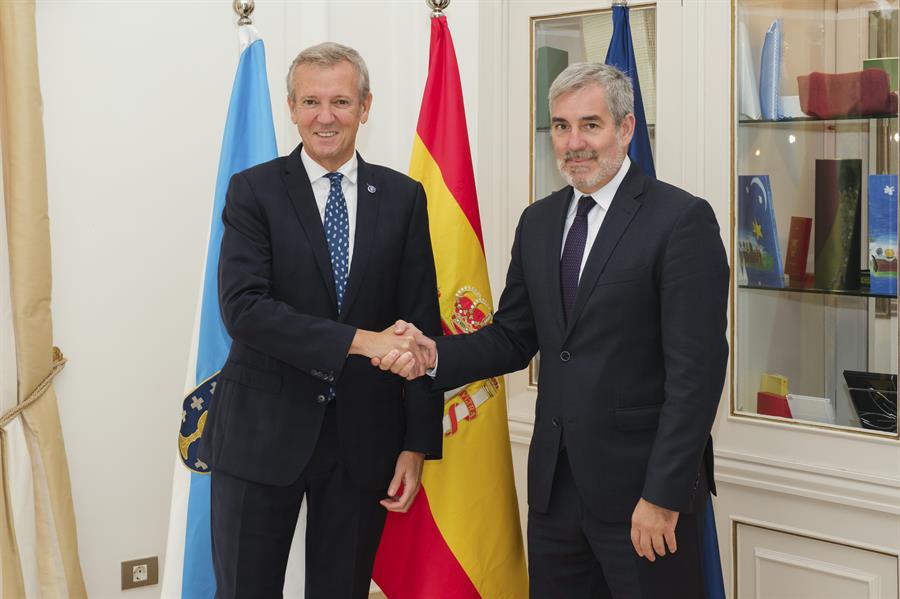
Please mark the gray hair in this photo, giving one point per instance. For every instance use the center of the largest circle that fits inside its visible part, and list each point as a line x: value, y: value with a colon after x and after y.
x: 616, y: 84
x: 328, y: 54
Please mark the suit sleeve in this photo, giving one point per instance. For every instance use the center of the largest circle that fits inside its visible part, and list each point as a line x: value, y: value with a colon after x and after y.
x: 506, y: 345
x: 418, y: 297
x: 315, y: 345
x: 693, y: 304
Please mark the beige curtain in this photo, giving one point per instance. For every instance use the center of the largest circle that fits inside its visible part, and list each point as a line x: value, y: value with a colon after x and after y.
x: 38, y: 545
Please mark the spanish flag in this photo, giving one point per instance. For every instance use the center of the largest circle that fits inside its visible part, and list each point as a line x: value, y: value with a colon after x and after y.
x: 462, y: 538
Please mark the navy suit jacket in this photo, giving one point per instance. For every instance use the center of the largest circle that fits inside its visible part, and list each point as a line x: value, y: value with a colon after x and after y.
x: 278, y: 303
x: 633, y: 380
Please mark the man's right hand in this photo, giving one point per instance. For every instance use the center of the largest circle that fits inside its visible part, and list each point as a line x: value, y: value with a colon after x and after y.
x: 409, y: 358
x: 397, y: 361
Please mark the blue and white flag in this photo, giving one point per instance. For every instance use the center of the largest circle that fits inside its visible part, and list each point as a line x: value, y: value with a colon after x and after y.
x: 621, y: 55
x: 249, y: 140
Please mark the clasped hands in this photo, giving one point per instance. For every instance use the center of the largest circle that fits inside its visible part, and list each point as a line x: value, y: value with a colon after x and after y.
x: 401, y: 348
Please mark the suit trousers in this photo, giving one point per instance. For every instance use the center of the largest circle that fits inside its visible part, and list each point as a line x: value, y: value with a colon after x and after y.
x: 573, y: 553
x: 253, y: 526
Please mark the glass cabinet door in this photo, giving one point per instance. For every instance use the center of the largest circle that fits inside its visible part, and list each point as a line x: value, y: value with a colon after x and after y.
x: 815, y: 212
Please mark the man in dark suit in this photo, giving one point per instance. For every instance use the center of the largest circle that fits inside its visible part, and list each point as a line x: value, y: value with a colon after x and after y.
x: 621, y: 282
x: 320, y: 249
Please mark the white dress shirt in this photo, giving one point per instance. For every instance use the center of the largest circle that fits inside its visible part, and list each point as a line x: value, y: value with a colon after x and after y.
x: 603, y: 197
x: 321, y: 186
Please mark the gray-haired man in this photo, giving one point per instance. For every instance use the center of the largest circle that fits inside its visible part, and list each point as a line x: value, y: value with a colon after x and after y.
x: 320, y: 248
x: 621, y: 282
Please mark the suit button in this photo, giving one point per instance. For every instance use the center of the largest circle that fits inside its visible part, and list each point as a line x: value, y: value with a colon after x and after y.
x: 555, y: 422
x: 565, y: 356
x: 321, y: 399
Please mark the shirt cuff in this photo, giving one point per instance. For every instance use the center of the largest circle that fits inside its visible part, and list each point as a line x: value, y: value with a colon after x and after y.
x: 432, y: 372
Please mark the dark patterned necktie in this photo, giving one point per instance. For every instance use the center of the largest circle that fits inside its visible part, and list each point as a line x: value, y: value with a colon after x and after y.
x: 570, y: 263
x: 337, y: 234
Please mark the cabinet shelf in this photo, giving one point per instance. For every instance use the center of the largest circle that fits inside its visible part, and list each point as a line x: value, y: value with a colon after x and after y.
x: 845, y: 293
x: 809, y: 119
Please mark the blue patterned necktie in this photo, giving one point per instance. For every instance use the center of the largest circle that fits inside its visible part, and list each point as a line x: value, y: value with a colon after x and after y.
x: 570, y: 263
x: 337, y: 234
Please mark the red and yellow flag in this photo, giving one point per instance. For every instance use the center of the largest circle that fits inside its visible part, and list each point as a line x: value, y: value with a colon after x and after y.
x: 462, y: 538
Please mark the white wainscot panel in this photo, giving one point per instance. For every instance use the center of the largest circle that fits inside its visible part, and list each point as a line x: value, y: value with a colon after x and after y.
x: 772, y: 564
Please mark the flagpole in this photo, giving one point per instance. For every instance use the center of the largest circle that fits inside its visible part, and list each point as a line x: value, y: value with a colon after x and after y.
x: 437, y: 7
x: 620, y: 3
x: 243, y: 9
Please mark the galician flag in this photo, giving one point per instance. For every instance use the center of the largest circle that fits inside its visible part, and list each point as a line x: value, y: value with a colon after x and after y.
x: 249, y: 140
x: 462, y: 538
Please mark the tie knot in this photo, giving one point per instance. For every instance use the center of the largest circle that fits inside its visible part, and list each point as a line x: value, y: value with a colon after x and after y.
x: 335, y: 178
x: 585, y: 204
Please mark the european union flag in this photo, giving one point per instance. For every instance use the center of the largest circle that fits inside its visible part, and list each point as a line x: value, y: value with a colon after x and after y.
x: 249, y: 140
x: 621, y: 56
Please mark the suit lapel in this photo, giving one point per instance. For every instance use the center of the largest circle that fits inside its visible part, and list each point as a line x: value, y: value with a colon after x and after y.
x: 561, y: 198
x: 621, y: 211
x: 367, y: 192
x: 304, y: 203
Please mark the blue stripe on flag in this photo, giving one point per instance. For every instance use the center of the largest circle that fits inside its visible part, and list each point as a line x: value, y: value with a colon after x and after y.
x: 249, y: 140
x: 621, y: 56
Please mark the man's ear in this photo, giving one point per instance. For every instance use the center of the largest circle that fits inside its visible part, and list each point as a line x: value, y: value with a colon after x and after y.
x: 626, y: 129
x: 366, y: 106
x: 291, y: 103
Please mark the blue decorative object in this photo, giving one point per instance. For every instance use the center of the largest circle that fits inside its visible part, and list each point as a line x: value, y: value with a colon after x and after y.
x: 757, y: 233
x: 770, y: 73
x: 883, y: 234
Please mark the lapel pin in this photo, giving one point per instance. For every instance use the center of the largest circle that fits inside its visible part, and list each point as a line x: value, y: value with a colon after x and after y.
x: 371, y: 188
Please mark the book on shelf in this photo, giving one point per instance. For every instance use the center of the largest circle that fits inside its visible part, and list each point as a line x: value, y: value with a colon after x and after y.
x: 550, y: 63
x: 883, y: 234
x: 888, y: 65
x: 837, y: 223
x: 772, y: 404
x: 757, y: 232
x: 798, y: 250
x: 773, y: 383
x: 808, y: 407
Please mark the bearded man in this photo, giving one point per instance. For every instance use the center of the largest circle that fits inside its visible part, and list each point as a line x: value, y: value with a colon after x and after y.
x: 621, y: 282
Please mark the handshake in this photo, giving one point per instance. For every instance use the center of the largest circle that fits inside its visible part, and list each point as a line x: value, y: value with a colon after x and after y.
x: 401, y: 348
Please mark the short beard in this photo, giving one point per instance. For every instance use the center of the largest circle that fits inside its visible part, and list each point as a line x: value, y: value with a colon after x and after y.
x: 607, y: 168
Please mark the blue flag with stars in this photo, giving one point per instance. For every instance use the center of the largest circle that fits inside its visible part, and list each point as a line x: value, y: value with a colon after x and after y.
x: 249, y: 140
x: 621, y: 55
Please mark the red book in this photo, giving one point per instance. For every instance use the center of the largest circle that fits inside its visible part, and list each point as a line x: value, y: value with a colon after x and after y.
x: 797, y: 249
x: 772, y: 404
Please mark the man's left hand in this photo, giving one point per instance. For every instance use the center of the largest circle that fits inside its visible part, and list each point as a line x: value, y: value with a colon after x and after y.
x: 652, y: 529
x: 408, y: 478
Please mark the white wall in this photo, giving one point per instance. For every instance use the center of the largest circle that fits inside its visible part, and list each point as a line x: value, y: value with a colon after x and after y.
x: 135, y: 96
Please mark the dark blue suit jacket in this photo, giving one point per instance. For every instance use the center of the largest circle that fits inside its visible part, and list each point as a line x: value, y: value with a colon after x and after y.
x: 277, y: 297
x: 633, y: 380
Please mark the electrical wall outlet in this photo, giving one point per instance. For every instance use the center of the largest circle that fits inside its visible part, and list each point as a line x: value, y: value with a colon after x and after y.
x: 140, y: 572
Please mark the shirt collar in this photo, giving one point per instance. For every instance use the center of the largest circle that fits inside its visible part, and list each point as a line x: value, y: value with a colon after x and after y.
x: 604, y: 196
x: 316, y: 171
